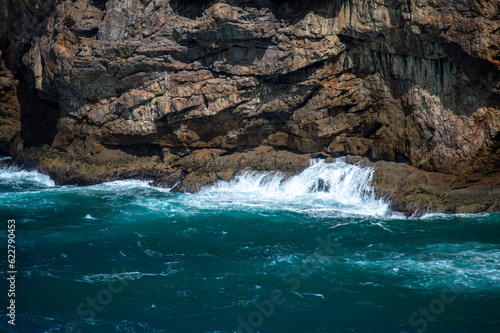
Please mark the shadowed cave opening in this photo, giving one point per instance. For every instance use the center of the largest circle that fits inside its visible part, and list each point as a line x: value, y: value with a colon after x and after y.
x: 38, y: 118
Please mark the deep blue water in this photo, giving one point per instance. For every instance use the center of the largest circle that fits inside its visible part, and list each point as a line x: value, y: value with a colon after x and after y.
x: 314, y: 253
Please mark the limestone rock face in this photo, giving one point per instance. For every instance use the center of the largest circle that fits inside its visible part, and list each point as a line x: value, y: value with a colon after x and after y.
x: 195, y: 90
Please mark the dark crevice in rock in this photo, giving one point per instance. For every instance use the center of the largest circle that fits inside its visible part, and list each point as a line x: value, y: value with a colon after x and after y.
x: 309, y: 96
x: 38, y: 118
x: 92, y: 33
x: 371, y: 131
x: 353, y: 42
x: 293, y: 77
x: 99, y: 4
x: 138, y: 150
x: 191, y: 9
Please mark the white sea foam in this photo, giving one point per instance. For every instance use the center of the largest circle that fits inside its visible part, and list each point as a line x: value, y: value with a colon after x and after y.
x: 99, y: 278
x: 14, y: 176
x: 320, y: 190
x: 437, y: 216
x: 471, y: 265
x: 122, y: 185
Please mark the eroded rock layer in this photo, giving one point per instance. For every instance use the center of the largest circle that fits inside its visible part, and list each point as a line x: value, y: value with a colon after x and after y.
x: 188, y: 92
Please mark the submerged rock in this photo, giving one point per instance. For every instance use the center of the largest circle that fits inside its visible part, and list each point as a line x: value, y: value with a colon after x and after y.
x: 188, y: 92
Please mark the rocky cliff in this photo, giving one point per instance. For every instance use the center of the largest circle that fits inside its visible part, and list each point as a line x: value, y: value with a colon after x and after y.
x: 188, y: 92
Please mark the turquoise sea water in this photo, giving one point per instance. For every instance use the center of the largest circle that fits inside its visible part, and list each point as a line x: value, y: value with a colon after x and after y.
x: 313, y: 253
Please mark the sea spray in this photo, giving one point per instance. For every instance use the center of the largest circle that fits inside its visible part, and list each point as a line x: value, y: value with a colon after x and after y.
x: 321, y: 188
x: 17, y: 178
